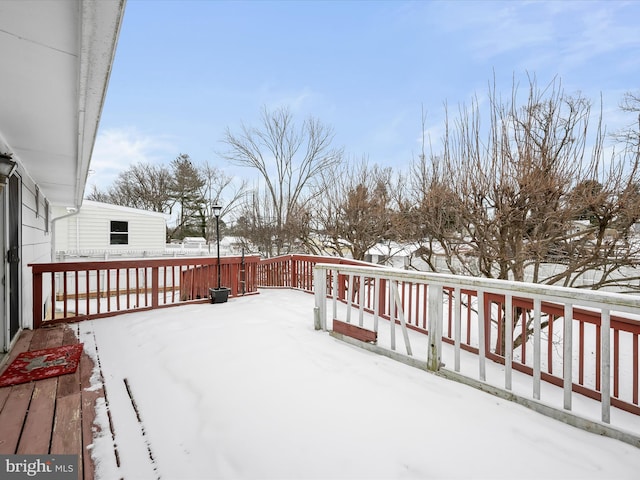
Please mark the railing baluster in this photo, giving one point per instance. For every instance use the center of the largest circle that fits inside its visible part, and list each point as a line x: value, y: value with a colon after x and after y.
x: 616, y: 362
x: 86, y: 292
x: 98, y: 290
x: 536, y: 348
x: 108, y: 294
x: 481, y: 337
x: 361, y: 301
x: 392, y: 311
x: 403, y: 321
x: 567, y: 355
x: 469, y: 309
x: 581, y: 354
x: 128, y: 289
x: 76, y: 287
x: 508, y: 341
x: 457, y: 326
x: 349, y: 297
x: 118, y: 272
x: 635, y: 369
x: 64, y: 297
x: 335, y: 294
x: 598, y: 355
x: 376, y: 306
x: 605, y: 369
x: 550, y: 343
x: 423, y: 287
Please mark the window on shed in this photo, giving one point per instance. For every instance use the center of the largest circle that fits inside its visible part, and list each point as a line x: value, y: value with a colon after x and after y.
x: 119, y: 233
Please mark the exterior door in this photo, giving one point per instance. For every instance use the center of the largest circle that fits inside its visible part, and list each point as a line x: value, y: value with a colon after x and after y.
x: 13, y: 255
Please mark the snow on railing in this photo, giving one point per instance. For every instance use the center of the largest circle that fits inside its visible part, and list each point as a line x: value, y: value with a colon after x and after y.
x: 520, y: 338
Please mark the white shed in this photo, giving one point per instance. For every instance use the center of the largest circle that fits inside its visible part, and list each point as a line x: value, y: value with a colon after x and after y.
x: 101, y: 229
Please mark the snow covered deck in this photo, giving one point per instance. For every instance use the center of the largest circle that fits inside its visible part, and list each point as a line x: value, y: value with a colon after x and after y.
x: 248, y: 389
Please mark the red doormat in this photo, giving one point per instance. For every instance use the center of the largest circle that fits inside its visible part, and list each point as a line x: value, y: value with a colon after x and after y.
x: 40, y: 364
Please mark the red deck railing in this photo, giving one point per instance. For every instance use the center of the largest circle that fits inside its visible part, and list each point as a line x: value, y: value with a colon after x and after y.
x: 64, y: 292
x: 295, y: 271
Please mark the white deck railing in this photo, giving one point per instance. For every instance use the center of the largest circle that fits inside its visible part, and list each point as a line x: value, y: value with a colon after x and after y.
x: 492, y: 327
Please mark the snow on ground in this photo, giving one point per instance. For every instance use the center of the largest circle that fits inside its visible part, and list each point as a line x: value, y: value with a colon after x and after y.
x: 248, y: 389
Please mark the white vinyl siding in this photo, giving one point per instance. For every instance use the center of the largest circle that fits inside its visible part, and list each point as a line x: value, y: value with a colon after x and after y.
x: 36, y: 242
x: 90, y: 231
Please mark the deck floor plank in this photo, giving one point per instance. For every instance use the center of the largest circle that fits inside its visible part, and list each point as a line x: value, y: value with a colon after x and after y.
x: 21, y: 345
x: 13, y: 415
x: 67, y: 437
x: 46, y: 338
x: 68, y: 384
x: 4, y: 394
x: 36, y: 435
x: 89, y: 398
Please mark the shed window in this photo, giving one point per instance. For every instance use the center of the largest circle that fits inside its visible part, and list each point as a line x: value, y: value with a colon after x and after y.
x: 119, y: 233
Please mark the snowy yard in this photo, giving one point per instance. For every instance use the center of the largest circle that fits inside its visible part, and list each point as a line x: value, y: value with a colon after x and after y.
x: 248, y: 389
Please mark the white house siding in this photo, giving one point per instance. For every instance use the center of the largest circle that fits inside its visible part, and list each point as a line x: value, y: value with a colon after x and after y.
x: 88, y: 232
x: 36, y: 243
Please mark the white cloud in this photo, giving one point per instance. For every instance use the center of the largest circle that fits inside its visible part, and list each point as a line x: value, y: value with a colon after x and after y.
x: 541, y: 34
x: 118, y: 148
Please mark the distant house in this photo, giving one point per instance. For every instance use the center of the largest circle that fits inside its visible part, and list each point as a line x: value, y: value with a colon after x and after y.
x: 391, y: 254
x: 98, y: 229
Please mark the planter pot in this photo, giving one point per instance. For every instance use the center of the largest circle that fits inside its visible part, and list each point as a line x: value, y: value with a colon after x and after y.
x: 219, y: 295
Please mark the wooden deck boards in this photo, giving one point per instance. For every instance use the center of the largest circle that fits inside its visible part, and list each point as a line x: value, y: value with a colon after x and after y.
x: 53, y: 415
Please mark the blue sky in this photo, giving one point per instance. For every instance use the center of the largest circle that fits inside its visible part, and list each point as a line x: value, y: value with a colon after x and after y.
x: 186, y: 70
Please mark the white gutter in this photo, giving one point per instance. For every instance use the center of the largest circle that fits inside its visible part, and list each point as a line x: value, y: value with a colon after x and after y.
x: 72, y: 212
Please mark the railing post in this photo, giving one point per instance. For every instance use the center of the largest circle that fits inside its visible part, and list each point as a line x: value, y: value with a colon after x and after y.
x: 567, y: 358
x: 434, y: 354
x: 320, y: 310
x: 294, y: 272
x: 37, y: 299
x: 155, y: 290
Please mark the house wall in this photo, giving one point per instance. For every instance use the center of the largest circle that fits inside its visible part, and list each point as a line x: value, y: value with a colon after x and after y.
x: 89, y: 231
x: 36, y: 242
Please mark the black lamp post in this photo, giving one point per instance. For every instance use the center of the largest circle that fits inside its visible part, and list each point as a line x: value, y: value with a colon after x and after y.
x: 216, y: 212
x: 220, y: 294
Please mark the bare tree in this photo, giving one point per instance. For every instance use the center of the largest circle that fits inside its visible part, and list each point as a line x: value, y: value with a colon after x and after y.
x: 357, y: 210
x: 184, y: 188
x: 142, y: 186
x: 219, y: 189
x: 526, y: 199
x: 288, y: 158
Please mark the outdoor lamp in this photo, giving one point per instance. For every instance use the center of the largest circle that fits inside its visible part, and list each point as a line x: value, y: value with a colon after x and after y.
x: 218, y: 295
x: 216, y: 211
x: 7, y: 167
